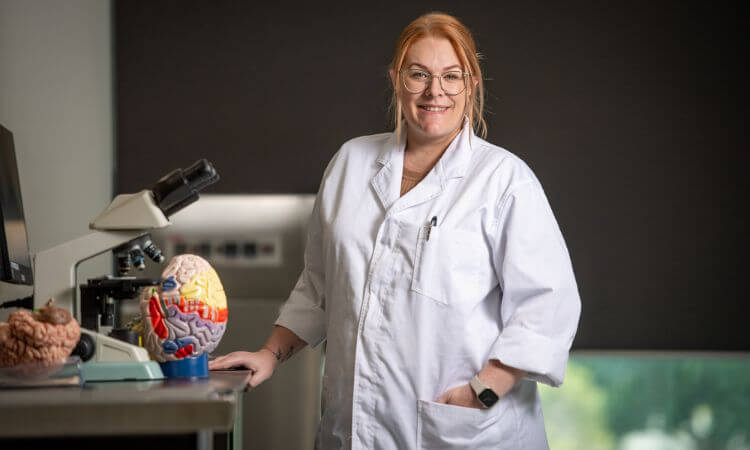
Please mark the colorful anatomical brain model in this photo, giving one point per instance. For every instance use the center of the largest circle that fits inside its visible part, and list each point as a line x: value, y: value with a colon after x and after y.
x: 187, y: 314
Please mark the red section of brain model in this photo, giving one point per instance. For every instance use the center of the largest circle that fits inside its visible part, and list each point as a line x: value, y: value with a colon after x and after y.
x: 157, y: 318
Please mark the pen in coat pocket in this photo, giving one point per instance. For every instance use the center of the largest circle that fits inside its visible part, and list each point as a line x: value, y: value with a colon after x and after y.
x: 433, y: 223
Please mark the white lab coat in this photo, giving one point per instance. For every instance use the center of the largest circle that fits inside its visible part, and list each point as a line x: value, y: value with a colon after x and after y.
x: 407, y: 318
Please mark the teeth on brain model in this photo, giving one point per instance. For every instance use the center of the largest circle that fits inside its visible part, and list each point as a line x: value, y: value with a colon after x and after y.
x: 187, y: 315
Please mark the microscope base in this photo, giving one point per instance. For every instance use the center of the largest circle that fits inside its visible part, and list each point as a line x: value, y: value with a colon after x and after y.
x: 109, y: 349
x: 121, y: 371
x: 116, y: 360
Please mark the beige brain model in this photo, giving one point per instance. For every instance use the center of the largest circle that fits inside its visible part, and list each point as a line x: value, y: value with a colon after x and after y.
x: 45, y: 337
x: 187, y: 314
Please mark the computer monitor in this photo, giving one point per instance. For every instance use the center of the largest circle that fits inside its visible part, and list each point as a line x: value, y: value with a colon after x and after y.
x: 15, y: 260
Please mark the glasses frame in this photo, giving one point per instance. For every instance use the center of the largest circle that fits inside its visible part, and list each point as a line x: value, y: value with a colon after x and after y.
x: 428, y: 82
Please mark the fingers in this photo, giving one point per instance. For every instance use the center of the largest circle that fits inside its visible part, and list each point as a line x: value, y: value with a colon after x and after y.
x: 214, y: 363
x: 219, y: 363
x: 445, y: 398
x: 258, y: 377
x: 248, y: 385
x: 234, y: 359
x: 217, y: 359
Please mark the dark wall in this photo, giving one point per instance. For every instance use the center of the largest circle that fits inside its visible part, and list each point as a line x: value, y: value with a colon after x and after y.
x: 630, y: 116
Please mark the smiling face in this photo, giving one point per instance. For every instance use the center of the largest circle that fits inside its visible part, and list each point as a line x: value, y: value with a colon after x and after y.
x: 431, y: 115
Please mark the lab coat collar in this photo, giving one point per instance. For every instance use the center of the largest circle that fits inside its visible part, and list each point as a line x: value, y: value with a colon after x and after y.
x: 455, y: 159
x: 387, y: 181
x: 453, y: 164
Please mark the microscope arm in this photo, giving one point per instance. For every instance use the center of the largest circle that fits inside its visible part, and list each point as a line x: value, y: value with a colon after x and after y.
x: 55, y: 268
x: 125, y: 222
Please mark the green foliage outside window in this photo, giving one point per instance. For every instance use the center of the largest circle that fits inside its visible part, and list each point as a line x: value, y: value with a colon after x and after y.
x: 650, y: 402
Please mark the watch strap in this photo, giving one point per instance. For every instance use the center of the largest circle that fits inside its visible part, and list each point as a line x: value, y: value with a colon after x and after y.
x: 479, y: 388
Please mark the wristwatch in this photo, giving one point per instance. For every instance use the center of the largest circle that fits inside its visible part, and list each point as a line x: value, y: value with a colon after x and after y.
x: 486, y: 396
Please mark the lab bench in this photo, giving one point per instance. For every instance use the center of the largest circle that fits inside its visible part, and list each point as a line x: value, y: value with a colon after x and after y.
x: 202, y: 414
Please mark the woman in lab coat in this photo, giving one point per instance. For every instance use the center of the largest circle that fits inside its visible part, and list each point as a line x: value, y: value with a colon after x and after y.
x: 434, y: 269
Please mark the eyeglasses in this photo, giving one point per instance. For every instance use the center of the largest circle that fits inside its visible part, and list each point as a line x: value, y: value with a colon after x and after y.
x: 452, y: 83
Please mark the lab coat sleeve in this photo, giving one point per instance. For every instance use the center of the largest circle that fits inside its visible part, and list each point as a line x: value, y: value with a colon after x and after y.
x: 540, y: 304
x: 304, y: 311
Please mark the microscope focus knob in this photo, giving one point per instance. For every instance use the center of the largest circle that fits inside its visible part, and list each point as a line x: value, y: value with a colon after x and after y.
x: 86, y: 347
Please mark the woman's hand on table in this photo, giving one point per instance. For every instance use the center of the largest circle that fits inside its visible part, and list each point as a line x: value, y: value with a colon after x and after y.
x: 261, y: 364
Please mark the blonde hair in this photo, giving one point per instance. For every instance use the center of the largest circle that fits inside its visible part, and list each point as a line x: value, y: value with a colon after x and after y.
x: 443, y: 25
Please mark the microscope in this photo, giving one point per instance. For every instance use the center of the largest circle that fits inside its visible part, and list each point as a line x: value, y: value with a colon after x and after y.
x: 123, y: 227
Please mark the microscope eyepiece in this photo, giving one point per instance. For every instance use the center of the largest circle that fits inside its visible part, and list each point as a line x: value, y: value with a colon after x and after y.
x: 201, y: 174
x: 180, y: 188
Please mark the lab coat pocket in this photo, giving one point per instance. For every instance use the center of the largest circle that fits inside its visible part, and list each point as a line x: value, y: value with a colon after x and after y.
x: 445, y: 267
x: 441, y: 426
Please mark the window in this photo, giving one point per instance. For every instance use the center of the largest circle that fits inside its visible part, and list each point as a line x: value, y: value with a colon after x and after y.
x: 650, y: 401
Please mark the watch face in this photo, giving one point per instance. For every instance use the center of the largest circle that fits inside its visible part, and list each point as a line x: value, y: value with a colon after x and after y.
x: 488, y: 397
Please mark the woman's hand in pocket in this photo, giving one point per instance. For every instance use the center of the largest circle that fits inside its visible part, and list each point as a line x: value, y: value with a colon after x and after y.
x: 460, y: 396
